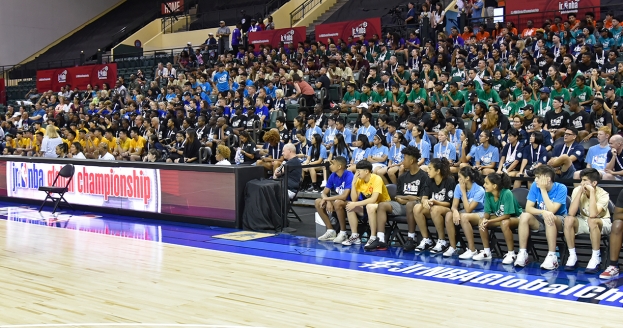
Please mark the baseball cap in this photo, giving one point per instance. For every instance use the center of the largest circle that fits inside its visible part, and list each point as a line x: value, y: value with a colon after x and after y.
x: 385, y: 73
x: 311, y: 117
x: 528, y: 107
x: 363, y: 105
x: 473, y: 95
x: 469, y: 83
x: 545, y: 90
x: 452, y: 120
x: 609, y: 87
x: 487, y: 82
x: 187, y: 94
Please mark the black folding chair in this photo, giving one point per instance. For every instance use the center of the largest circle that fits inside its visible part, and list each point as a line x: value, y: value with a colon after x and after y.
x: 67, y: 173
x: 291, y: 212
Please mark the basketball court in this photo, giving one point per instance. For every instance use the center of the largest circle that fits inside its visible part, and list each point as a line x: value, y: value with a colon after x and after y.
x: 91, y: 270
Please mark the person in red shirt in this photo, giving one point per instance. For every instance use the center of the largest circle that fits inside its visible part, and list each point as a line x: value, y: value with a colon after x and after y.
x: 529, y: 31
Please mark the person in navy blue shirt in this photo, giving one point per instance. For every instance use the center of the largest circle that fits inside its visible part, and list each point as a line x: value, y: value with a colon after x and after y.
x: 333, y: 199
x: 537, y: 124
x: 546, y: 208
x: 568, y: 157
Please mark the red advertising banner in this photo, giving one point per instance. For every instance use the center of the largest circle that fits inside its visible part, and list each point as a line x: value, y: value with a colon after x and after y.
x: 276, y: 37
x: 355, y: 28
x: 176, y: 7
x: 77, y: 77
x: 538, y: 11
x: 2, y: 92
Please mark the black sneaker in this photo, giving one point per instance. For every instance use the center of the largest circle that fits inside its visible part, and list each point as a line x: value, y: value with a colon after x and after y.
x: 375, y: 245
x: 409, y: 245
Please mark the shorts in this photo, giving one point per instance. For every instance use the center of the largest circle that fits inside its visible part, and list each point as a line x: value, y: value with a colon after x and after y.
x: 568, y: 174
x: 378, y: 165
x: 480, y: 214
x: 398, y: 209
x: 583, y: 226
x: 542, y: 222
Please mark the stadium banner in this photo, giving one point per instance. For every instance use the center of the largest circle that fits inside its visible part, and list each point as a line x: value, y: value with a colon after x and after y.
x: 276, y: 37
x: 126, y: 188
x: 77, y: 77
x: 354, y: 28
x: 176, y: 7
x: 538, y: 11
x: 2, y: 92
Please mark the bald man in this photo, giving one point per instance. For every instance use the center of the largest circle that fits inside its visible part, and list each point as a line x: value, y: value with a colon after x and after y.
x: 614, y: 160
x: 295, y: 170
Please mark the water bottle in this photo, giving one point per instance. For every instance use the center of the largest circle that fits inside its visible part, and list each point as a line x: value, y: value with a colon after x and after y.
x: 557, y: 252
x: 364, y: 237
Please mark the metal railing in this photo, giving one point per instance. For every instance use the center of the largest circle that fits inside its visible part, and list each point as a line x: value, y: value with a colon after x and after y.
x: 299, y: 12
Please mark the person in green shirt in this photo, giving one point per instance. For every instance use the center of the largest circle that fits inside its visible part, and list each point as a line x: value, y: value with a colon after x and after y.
x: 507, y: 107
x: 351, y: 99
x: 372, y: 98
x: 468, y: 111
x: 373, y: 77
x: 427, y: 73
x: 516, y: 88
x: 473, y: 76
x: 417, y: 94
x: 501, y: 210
x: 398, y: 97
x: 488, y: 94
x: 525, y: 100
x: 401, y: 76
x: 459, y: 73
x: 470, y: 87
x: 582, y: 92
x: 497, y: 83
x: 453, y: 98
x: 573, y: 74
x: 559, y: 91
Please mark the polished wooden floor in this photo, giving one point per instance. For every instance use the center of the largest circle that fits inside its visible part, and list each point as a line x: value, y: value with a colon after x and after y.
x: 54, y: 276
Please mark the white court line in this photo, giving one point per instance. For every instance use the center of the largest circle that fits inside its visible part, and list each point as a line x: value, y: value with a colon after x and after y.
x: 117, y: 324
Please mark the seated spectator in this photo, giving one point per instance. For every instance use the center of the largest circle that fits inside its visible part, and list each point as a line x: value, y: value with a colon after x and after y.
x: 567, y: 157
x: 333, y: 199
x: 222, y: 155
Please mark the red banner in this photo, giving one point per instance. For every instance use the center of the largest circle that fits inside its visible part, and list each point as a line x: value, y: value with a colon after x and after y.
x: 276, y: 37
x: 176, y: 7
x: 2, y: 92
x: 538, y: 11
x: 355, y: 28
x: 77, y: 77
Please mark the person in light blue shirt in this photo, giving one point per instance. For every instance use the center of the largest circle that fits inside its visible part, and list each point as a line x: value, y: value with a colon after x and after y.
x: 477, y: 11
x: 341, y: 129
x: 339, y: 148
x: 329, y: 133
x: 395, y: 159
x: 546, y: 208
x: 366, y: 128
x: 487, y: 154
x: 221, y: 78
x: 378, y: 154
x: 360, y: 153
x: 421, y: 144
x: 597, y: 156
x: 312, y: 128
x: 444, y: 148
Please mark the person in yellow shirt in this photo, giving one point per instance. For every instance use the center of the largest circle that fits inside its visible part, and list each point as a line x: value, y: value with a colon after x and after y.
x: 92, y: 142
x: 371, y: 190
x: 70, y: 136
x: 28, y: 135
x: 109, y: 140
x: 37, y: 143
x: 137, y: 144
x: 39, y: 128
x: 24, y: 145
x: 588, y: 214
x: 122, y: 150
x: 10, y: 141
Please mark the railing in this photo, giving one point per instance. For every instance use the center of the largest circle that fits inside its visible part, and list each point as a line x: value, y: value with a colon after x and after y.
x: 299, y: 12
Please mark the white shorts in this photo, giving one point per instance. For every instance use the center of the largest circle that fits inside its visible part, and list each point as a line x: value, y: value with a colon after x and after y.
x: 583, y: 226
x: 480, y: 214
x: 378, y: 165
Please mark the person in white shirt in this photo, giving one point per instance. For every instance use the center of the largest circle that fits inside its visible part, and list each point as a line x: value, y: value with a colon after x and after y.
x: 75, y: 151
x: 222, y: 155
x: 50, y: 141
x: 169, y: 70
x: 104, y: 154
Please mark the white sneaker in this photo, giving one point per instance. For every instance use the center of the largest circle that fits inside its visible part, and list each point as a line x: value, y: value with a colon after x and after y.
x: 328, y: 235
x: 341, y: 237
x: 509, y: 258
x: 323, y: 184
x: 424, y: 245
x: 440, y: 246
x: 572, y: 261
x: 550, y: 262
x: 352, y: 241
x: 467, y: 255
x: 482, y: 256
x: 451, y: 251
x: 593, y: 264
x: 522, y: 259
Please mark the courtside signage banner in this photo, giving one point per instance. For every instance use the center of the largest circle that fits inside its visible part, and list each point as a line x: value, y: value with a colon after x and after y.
x: 78, y: 77
x: 276, y: 37
x: 520, y: 12
x: 354, y: 28
x: 127, y: 188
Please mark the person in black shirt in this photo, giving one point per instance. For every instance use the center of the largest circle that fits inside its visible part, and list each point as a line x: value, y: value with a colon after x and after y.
x: 556, y: 120
x: 435, y: 204
x: 579, y: 119
x: 613, y: 104
x: 238, y: 121
x: 610, y: 66
x: 191, y: 148
x: 284, y: 134
x: 598, y: 118
x: 294, y: 169
x: 323, y: 81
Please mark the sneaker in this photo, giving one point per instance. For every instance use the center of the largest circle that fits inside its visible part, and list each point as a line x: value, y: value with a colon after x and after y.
x: 328, y: 235
x: 409, y: 245
x: 572, y: 263
x: 593, y: 265
x: 522, y: 259
x: 310, y: 189
x: 341, y: 237
x: 375, y: 245
x: 467, y: 255
x: 611, y: 272
x: 482, y: 256
x: 424, y: 245
x: 509, y: 258
x: 440, y: 247
x: 451, y: 251
x: 352, y: 241
x: 323, y: 184
x: 550, y: 262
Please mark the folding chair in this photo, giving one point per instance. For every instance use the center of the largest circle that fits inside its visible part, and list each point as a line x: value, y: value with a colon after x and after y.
x: 67, y: 173
x: 291, y: 212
